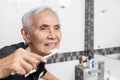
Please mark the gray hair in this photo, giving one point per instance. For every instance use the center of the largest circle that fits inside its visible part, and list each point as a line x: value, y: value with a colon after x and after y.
x: 27, y: 17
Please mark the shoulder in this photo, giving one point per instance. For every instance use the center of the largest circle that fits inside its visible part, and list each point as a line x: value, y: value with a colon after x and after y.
x: 5, y: 51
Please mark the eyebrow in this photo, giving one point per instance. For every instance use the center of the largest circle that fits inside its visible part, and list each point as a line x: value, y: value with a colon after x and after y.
x: 46, y: 25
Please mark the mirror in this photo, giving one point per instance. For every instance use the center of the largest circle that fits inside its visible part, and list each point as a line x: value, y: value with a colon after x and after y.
x: 107, y: 28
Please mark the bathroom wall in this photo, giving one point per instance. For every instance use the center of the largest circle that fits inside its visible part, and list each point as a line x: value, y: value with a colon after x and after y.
x: 106, y: 26
x: 72, y: 21
x: 106, y: 23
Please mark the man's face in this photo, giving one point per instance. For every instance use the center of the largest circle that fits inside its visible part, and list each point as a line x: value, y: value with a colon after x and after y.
x: 45, y: 34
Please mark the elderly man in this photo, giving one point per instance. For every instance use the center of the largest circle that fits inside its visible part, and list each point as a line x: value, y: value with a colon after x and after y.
x: 42, y: 33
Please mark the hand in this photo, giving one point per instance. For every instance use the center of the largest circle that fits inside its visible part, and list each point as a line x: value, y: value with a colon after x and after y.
x: 20, y: 62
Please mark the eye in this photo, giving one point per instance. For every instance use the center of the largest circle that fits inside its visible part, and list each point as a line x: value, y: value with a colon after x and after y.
x: 57, y: 27
x: 44, y: 27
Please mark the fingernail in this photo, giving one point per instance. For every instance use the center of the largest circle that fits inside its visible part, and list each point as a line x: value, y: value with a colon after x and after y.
x: 44, y: 60
x: 13, y: 73
x: 37, y: 62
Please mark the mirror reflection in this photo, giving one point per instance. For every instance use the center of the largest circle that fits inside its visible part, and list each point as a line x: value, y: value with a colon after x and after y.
x: 106, y: 28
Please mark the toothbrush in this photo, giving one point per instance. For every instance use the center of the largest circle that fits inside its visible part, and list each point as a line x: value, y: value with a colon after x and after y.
x: 37, y: 62
x: 52, y: 53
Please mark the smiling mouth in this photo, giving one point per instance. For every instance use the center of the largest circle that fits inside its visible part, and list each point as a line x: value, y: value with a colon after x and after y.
x: 51, y: 45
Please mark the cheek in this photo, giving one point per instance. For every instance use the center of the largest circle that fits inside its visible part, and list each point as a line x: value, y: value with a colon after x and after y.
x: 35, y: 38
x: 59, y: 35
x: 39, y: 38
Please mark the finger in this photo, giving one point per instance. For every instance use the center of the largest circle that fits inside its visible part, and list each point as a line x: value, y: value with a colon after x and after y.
x: 31, y: 60
x: 37, y: 57
x: 20, y: 71
x: 26, y: 66
x: 29, y: 57
x: 17, y: 69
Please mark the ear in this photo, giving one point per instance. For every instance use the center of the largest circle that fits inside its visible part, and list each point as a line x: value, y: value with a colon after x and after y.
x: 25, y: 35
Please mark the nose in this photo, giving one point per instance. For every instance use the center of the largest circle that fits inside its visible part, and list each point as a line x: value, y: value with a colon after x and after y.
x: 52, y: 34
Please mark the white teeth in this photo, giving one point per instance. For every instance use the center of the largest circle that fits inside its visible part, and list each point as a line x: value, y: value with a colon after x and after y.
x: 51, y: 44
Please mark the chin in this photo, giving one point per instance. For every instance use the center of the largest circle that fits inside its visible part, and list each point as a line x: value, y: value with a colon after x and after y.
x: 47, y: 53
